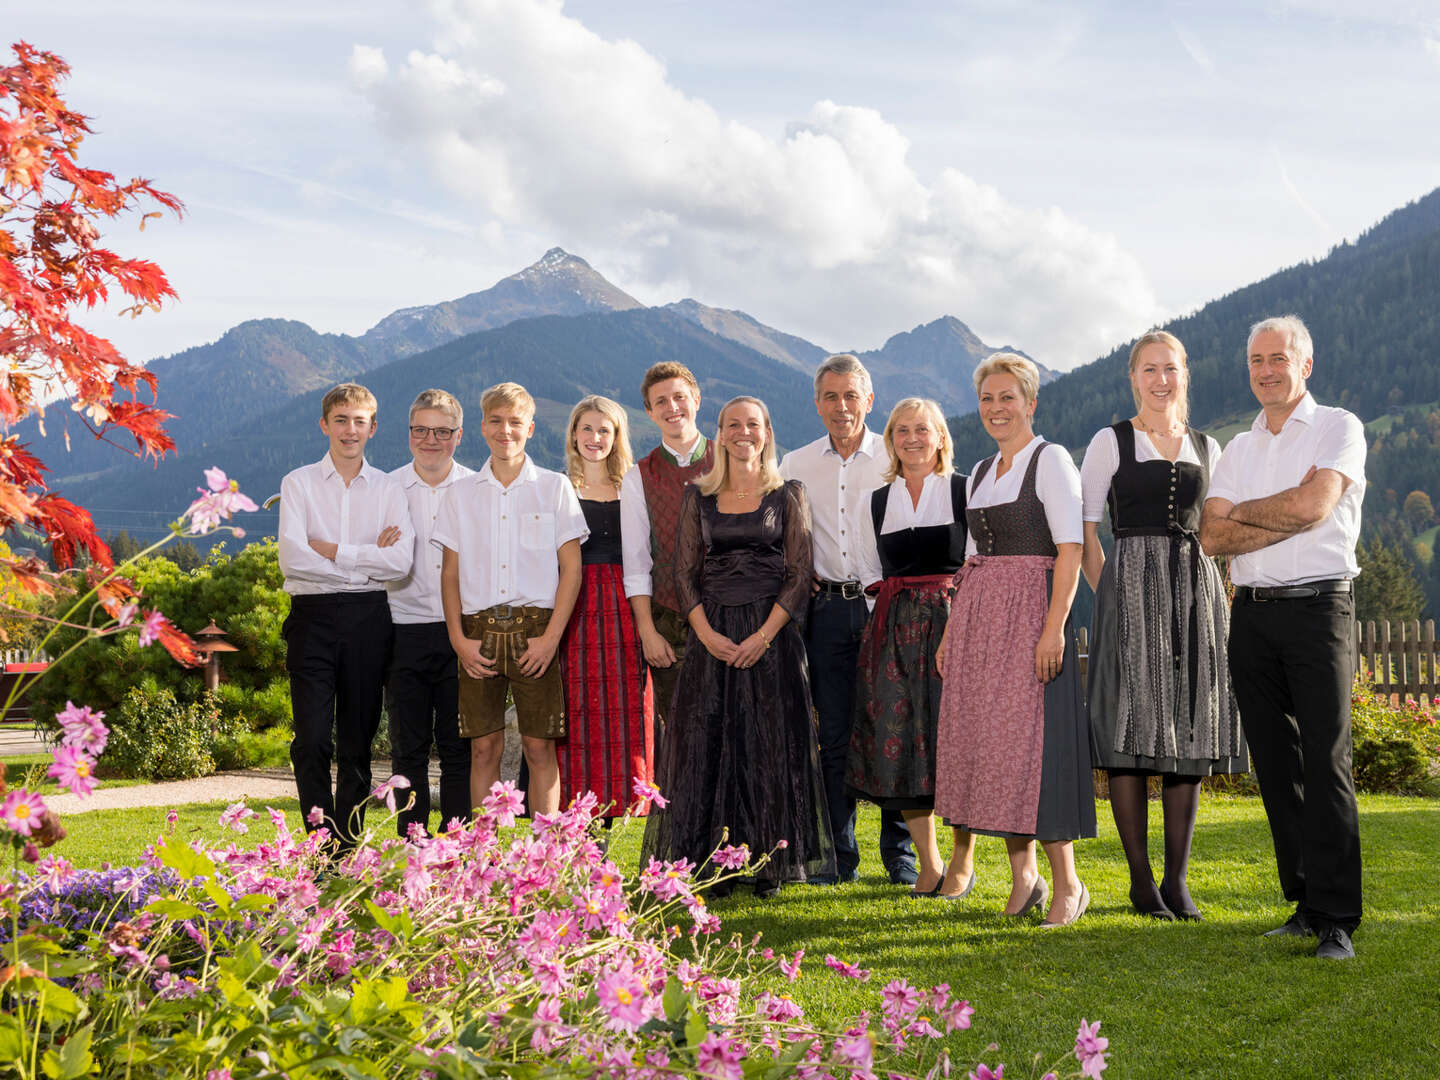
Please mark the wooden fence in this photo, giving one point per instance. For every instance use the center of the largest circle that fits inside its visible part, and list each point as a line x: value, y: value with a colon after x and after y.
x: 1400, y: 658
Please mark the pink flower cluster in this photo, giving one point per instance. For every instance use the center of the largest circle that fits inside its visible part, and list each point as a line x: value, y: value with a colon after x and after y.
x: 219, y: 502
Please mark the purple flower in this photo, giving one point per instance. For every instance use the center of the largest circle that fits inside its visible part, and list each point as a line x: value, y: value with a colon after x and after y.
x: 81, y: 727
x: 1090, y: 1048
x: 150, y: 628
x: 23, y: 811
x: 386, y: 792
x: 221, y: 501
x: 74, y: 769
x: 647, y: 793
x: 732, y: 857
x: 719, y: 1057
x: 624, y: 998
x: 982, y: 1072
x: 850, y: 971
x: 235, y: 815
x: 505, y: 802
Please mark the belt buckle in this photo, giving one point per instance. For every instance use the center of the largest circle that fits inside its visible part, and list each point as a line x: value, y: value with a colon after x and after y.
x: 851, y: 590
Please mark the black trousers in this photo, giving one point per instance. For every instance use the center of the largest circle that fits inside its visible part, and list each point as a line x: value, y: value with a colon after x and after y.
x: 832, y: 647
x: 421, y: 700
x: 1292, y: 663
x: 337, y: 649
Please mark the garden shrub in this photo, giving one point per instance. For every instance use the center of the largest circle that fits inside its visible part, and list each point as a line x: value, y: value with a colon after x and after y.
x: 154, y: 736
x: 1397, y: 747
x: 241, y: 592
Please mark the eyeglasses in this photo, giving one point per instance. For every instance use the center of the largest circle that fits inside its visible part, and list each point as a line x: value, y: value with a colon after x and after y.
x: 444, y: 434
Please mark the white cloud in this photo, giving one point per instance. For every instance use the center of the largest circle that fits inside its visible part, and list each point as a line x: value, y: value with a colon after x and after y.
x: 827, y: 230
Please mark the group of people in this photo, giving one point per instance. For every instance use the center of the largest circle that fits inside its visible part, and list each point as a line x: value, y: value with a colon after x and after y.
x: 772, y: 640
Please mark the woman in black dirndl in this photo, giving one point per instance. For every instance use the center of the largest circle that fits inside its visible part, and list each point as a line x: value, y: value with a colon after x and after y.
x: 912, y: 542
x: 1159, y: 696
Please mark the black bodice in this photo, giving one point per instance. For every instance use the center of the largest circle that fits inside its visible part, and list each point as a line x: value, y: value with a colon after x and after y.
x: 1013, y: 528
x: 921, y: 550
x: 603, y: 543
x: 1159, y: 497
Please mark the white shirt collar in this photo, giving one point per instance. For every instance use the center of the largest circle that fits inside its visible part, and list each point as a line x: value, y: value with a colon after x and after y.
x: 409, y: 477
x: 870, y: 445
x: 1303, y: 413
x: 682, y: 457
x: 367, y: 472
x: 528, y: 474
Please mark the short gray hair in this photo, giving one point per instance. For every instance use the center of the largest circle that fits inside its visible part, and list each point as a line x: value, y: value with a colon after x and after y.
x: 843, y: 364
x: 1297, y: 336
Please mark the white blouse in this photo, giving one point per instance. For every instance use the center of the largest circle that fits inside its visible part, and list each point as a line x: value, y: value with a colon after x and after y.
x: 1057, y: 484
x: 934, y: 509
x: 1102, y: 460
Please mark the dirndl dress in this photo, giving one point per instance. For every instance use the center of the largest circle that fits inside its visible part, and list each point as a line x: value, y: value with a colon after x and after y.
x: 1013, y: 754
x: 1159, y: 694
x: 610, y: 741
x: 897, y: 698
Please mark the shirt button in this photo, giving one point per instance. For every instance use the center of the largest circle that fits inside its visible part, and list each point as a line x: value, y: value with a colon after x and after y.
x: 502, y: 517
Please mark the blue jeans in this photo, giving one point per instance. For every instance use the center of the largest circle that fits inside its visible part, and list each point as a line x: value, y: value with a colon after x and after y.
x: 832, y: 645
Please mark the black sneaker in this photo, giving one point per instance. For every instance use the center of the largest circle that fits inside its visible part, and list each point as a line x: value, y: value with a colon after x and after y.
x: 1295, y: 926
x: 1335, y: 944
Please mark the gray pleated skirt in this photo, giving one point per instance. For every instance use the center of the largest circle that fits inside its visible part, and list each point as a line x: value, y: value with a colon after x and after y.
x: 1147, y: 712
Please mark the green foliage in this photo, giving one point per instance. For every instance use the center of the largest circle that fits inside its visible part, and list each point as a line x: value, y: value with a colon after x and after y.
x: 1388, y: 587
x: 155, y: 737
x: 1419, y: 510
x: 1397, y: 747
x: 242, y: 593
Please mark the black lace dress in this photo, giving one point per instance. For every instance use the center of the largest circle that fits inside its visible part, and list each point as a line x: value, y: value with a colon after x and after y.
x: 739, y: 750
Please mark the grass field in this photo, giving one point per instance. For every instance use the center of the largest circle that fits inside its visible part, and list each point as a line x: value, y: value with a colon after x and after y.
x: 1214, y: 1000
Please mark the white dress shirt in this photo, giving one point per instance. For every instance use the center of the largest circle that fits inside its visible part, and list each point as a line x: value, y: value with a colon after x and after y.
x: 415, y: 598
x: 315, y: 503
x: 507, y: 537
x: 635, y: 522
x: 1257, y: 464
x: 935, y: 508
x: 1102, y: 461
x: 839, y: 490
x: 1057, y: 484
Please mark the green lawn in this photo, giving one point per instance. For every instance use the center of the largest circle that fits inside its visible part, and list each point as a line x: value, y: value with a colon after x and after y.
x: 29, y: 769
x: 1177, y: 1000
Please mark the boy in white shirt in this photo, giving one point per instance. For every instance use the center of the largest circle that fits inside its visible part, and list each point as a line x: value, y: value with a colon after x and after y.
x: 344, y: 532
x: 510, y: 573
x: 421, y: 690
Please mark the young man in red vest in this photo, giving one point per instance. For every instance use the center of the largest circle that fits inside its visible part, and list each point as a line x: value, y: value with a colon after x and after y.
x: 649, y: 509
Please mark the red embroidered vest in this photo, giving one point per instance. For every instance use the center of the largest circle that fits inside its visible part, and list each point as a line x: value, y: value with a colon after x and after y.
x: 664, y: 486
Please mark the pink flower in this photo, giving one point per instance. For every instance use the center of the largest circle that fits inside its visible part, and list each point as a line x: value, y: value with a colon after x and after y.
x: 22, y: 811
x: 221, y: 501
x: 54, y: 871
x: 732, y: 857
x: 850, y: 971
x: 218, y: 1074
x: 81, y: 728
x: 647, y: 793
x: 386, y: 792
x: 901, y: 1000
x: 316, y: 816
x: 1090, y: 1048
x: 791, y: 968
x: 74, y: 769
x: 505, y: 802
x: 982, y: 1072
x: 856, y: 1050
x: 957, y: 1016
x: 235, y: 815
x: 126, y: 615
x: 150, y: 628
x: 719, y: 1057
x: 624, y: 998
x: 778, y: 1007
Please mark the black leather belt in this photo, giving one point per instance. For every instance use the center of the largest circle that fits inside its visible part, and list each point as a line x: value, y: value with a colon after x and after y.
x: 1263, y: 593
x: 846, y: 590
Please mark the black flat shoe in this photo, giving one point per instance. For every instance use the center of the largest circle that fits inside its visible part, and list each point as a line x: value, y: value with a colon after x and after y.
x: 1335, y: 944
x: 918, y: 895
x: 1190, y: 914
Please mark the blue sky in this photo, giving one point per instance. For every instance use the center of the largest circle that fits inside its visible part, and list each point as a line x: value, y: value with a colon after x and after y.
x: 1059, y: 176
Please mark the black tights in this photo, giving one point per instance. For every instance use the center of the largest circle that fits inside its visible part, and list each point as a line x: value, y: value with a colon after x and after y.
x: 1129, y: 802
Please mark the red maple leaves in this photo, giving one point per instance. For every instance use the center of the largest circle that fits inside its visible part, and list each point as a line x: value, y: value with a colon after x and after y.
x: 51, y: 264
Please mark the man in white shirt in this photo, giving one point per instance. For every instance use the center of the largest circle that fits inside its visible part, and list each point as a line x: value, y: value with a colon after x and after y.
x: 344, y: 532
x: 649, y: 523
x: 839, y: 471
x: 509, y: 577
x: 1284, y: 504
x: 421, y: 690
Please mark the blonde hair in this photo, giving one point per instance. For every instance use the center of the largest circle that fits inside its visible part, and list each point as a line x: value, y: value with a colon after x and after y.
x: 1171, y: 342
x: 348, y: 393
x: 944, y: 457
x: 1009, y: 363
x: 714, y: 481
x: 620, y: 458
x: 442, y: 400
x: 507, y: 393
